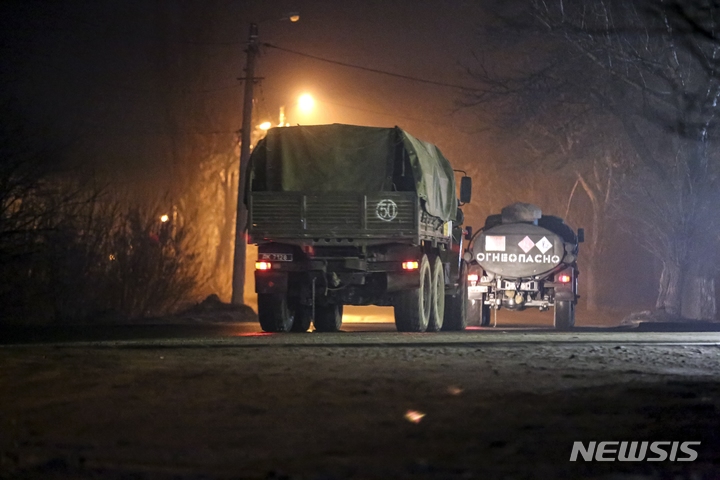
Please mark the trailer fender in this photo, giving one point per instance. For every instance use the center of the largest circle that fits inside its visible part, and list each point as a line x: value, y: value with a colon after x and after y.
x: 564, y: 294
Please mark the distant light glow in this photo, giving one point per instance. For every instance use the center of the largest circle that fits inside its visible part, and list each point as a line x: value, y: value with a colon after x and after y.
x: 283, y: 121
x: 265, y: 126
x: 306, y: 103
x: 164, y: 218
x: 294, y: 17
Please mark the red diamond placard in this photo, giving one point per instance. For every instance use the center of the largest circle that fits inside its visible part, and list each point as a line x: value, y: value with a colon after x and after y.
x: 526, y: 244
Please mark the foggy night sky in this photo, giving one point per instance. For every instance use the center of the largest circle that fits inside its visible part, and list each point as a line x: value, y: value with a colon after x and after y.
x: 96, y: 69
x: 122, y: 82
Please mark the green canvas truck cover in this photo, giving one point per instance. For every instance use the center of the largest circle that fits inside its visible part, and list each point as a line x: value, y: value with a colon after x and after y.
x: 350, y: 158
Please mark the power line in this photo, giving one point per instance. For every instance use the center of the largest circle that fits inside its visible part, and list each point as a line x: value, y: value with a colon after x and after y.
x: 373, y: 70
x: 376, y: 112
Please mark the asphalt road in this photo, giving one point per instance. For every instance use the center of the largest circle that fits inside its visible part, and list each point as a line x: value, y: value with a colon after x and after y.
x: 352, y: 334
x: 226, y: 401
x: 367, y: 326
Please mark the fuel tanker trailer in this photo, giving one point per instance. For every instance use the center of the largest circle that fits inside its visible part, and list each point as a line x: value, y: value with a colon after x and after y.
x: 525, y: 259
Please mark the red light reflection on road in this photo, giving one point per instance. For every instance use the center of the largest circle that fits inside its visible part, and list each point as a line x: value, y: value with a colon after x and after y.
x: 414, y: 416
x: 454, y: 390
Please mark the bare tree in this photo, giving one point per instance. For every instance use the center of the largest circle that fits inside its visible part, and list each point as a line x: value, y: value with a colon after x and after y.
x: 199, y: 145
x: 568, y: 150
x: 630, y: 61
x: 597, y: 162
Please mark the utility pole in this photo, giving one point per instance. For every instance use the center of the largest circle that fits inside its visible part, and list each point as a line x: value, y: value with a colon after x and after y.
x: 238, y: 279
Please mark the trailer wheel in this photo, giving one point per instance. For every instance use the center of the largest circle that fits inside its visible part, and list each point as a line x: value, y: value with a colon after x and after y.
x: 437, y: 310
x: 456, y: 307
x: 485, y: 311
x: 564, y: 315
x: 412, y: 307
x: 274, y: 312
x: 328, y: 318
x: 303, y: 317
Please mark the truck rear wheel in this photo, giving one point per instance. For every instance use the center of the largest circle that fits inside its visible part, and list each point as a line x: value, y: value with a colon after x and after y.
x: 328, y: 318
x: 303, y: 317
x: 564, y: 315
x: 456, y: 307
x: 437, y: 310
x: 412, y: 307
x: 274, y: 313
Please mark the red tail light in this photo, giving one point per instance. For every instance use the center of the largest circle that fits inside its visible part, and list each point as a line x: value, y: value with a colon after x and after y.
x: 262, y: 266
x: 564, y: 278
x: 473, y: 279
x: 410, y: 265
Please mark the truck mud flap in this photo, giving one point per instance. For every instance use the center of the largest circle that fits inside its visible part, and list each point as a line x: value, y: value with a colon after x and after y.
x: 402, y: 281
x: 271, y: 282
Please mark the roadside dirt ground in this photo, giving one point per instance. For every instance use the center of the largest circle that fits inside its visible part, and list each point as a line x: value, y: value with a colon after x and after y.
x: 191, y: 410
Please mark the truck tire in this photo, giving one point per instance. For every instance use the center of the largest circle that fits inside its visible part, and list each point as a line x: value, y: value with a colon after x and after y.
x: 303, y: 317
x: 485, y: 311
x: 437, y: 310
x: 328, y: 318
x: 412, y: 307
x: 274, y: 313
x: 456, y: 307
x: 564, y: 315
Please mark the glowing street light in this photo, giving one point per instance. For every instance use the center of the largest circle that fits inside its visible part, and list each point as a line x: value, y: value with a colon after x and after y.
x: 306, y: 103
x: 164, y: 218
x: 293, y: 17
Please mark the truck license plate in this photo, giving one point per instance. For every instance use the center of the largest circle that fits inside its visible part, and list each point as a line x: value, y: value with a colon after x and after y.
x: 276, y: 257
x: 476, y: 292
x: 525, y: 286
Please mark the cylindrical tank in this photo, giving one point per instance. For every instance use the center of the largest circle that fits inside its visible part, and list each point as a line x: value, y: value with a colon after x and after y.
x: 521, y: 242
x: 518, y: 250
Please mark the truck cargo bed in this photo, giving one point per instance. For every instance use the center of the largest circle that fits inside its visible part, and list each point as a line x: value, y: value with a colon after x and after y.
x: 339, y: 217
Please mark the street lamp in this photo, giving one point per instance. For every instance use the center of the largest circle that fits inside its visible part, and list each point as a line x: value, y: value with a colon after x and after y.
x: 306, y: 103
x: 238, y: 279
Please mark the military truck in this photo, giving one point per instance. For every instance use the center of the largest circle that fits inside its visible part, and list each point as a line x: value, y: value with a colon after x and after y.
x: 526, y: 259
x: 353, y: 215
